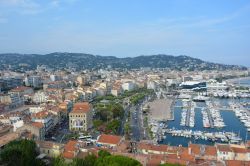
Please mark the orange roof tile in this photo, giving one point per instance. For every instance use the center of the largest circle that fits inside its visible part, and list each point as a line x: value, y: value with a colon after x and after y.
x: 37, y: 124
x: 81, y: 107
x: 186, y: 156
x: 71, y: 146
x: 159, y: 148
x: 20, y: 89
x: 109, y: 139
x: 68, y: 155
x: 224, y: 148
x: 195, y: 149
x: 239, y: 150
x: 237, y: 163
x: 41, y: 114
x: 210, y: 151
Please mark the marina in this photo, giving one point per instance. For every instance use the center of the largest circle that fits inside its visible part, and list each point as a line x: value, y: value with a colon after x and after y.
x: 210, y: 125
x: 211, y: 136
x: 187, y: 114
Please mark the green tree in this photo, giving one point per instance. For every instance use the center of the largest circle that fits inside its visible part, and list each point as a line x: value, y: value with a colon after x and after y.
x: 103, y: 153
x: 90, y: 160
x: 113, y: 125
x: 58, y: 161
x: 20, y: 153
x: 77, y: 162
x: 97, y: 123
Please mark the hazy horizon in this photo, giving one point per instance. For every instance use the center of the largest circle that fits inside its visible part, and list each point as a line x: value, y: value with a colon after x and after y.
x: 215, y: 31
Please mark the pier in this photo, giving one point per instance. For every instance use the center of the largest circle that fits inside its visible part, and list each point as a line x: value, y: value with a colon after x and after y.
x: 218, y: 108
x: 210, y: 118
x: 212, y: 136
x: 188, y: 117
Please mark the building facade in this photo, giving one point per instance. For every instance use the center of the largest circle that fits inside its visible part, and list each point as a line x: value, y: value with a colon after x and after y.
x: 80, y: 118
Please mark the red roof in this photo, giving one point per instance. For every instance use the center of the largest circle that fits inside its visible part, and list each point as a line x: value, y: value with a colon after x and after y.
x: 195, y: 149
x: 210, y: 151
x: 68, y: 155
x: 20, y: 88
x: 81, y: 107
x: 41, y: 114
x: 109, y: 139
x: 237, y: 163
x: 71, y: 146
x: 159, y: 148
x: 239, y: 150
x: 224, y: 148
x: 37, y: 124
x: 70, y: 149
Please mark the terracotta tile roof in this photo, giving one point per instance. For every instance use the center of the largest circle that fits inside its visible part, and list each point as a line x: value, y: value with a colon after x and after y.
x: 109, y: 139
x: 186, y: 156
x: 237, y: 163
x: 210, y: 151
x: 224, y: 148
x: 159, y: 148
x: 239, y: 150
x: 37, y: 124
x: 68, y: 155
x: 81, y: 107
x: 20, y: 89
x: 195, y: 149
x: 176, y: 161
x: 41, y: 114
x: 172, y: 149
x: 71, y: 146
x: 7, y: 138
x: 70, y: 149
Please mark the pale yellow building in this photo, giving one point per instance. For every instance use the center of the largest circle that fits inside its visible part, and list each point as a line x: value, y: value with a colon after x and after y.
x: 80, y: 118
x: 51, y: 149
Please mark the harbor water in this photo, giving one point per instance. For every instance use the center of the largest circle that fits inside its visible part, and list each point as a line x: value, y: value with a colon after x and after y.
x: 232, y: 123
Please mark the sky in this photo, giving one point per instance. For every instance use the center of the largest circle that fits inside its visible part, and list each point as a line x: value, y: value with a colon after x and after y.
x: 212, y: 30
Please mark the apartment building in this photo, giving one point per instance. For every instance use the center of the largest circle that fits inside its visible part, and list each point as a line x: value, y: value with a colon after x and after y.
x: 80, y: 118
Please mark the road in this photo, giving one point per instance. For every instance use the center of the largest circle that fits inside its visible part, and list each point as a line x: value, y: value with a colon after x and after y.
x: 58, y: 132
x: 138, y: 131
x: 135, y: 124
x: 121, y: 129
